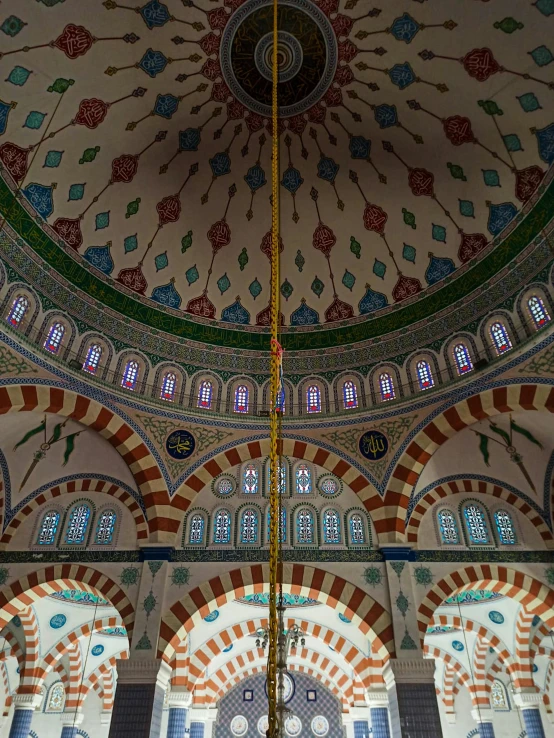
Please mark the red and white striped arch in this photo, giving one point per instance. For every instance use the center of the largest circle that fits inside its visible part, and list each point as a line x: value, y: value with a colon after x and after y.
x: 332, y: 590
x: 15, y: 650
x: 101, y: 671
x: 460, y: 672
x: 29, y: 625
x: 162, y: 518
x: 524, y: 657
x: 445, y: 426
x: 72, y: 695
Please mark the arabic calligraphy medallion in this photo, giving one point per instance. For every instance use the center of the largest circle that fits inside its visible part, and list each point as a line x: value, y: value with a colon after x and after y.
x: 373, y: 445
x: 180, y: 444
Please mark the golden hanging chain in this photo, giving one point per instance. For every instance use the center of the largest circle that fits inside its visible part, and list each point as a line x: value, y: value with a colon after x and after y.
x: 274, y: 423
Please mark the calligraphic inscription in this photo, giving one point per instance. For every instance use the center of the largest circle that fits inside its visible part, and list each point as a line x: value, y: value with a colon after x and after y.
x: 180, y: 444
x: 373, y: 445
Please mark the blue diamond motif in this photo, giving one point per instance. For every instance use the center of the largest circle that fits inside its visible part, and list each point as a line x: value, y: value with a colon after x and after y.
x: 292, y: 180
x: 53, y: 158
x: 189, y: 139
x: 404, y: 28
x: 500, y: 216
x: 402, y: 75
x: 100, y: 257
x: 255, y: 177
x: 529, y: 102
x: 327, y: 169
x: 12, y: 26
x: 491, y: 177
x: 545, y: 141
x: 4, y: 112
x: 18, y: 76
x: 166, y: 105
x: 360, y: 147
x: 153, y: 62
x: 438, y: 233
x: 34, y: 120
x: 155, y: 14
x: 167, y: 295
x: 41, y: 198
x: 76, y: 192
x: 220, y: 164
x: 102, y: 220
x: 386, y: 115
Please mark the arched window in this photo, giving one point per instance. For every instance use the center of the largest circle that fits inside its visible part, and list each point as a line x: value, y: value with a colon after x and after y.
x: 424, y: 375
x: 313, y: 397
x: 448, y: 527
x: 349, y: 394
x: 92, y: 361
x: 241, y: 399
x: 538, y: 311
x: 303, y: 479
x: 505, y: 527
x: 305, y: 526
x: 386, y: 387
x: 196, y: 529
x: 56, y: 698
x: 500, y: 337
x: 498, y: 696
x: 105, y: 527
x: 130, y: 375
x: 282, y: 527
x: 169, y: 382
x: 357, y: 533
x: 48, y: 528
x: 282, y: 478
x: 249, y: 526
x: 250, y: 477
x: 55, y: 335
x: 476, y: 524
x: 78, y: 523
x: 462, y: 359
x: 222, y: 527
x: 205, y: 394
x: 19, y: 307
x: 331, y: 526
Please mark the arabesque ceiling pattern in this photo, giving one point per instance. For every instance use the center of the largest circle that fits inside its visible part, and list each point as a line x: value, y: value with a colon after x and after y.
x: 411, y: 136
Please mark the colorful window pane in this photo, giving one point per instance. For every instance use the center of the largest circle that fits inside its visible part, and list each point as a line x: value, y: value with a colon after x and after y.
x: 92, y: 361
x: 105, y: 528
x: 48, y: 528
x: 303, y: 479
x: 505, y: 528
x: 282, y: 527
x: 55, y: 335
x: 56, y: 698
x: 305, y: 526
x: 241, y: 399
x: 250, y: 479
x: 500, y: 337
x: 205, y: 394
x: 498, y: 696
x: 224, y: 486
x: 282, y: 479
x: 538, y: 311
x: 313, y: 397
x: 280, y: 404
x: 424, y: 375
x: 357, y: 533
x: 386, y: 387
x: 462, y: 359
x: 448, y: 527
x: 130, y: 375
x: 78, y: 524
x: 329, y: 486
x: 349, y: 394
x: 222, y: 527
x: 249, y: 526
x: 196, y: 530
x: 169, y: 383
x: 476, y: 524
x: 19, y: 308
x: 331, y: 526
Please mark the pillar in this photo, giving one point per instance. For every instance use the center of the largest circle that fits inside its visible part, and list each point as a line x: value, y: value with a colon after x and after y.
x: 202, y: 722
x: 23, y: 707
x: 418, y: 710
x: 348, y: 724
x: 484, y: 718
x: 528, y: 703
x: 378, y: 701
x: 70, y: 722
x: 178, y: 702
x: 105, y: 717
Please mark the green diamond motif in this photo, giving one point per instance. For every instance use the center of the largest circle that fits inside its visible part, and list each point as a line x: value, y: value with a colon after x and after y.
x: 53, y: 159
x: 423, y: 575
x: 409, y: 253
x: 299, y: 260
x: 456, y: 171
x: 490, y: 107
x: 130, y: 576
x: 398, y: 567
x: 191, y: 275
x: 466, y: 208
x: 61, y: 85
x: 379, y: 268
x: 155, y: 567
x: 90, y: 155
x: 409, y: 218
x: 149, y: 603
x: 161, y: 261
x: 243, y: 259
x: 529, y: 102
x: 549, y: 576
x: 546, y: 7
x: 512, y: 142
x: 18, y: 76
x: 143, y: 644
x: 132, y: 207
x: 348, y: 280
x: 255, y: 288
x: 317, y: 286
x: 76, y: 192
x: 541, y: 56
x: 373, y: 576
x: 180, y: 576
x: 130, y: 243
x: 4, y: 575
x: 438, y: 233
x: 491, y: 178
x: 12, y: 25
x: 355, y: 247
x: 402, y: 603
x: 286, y: 289
x: 508, y: 25
x: 186, y: 242
x: 408, y: 643
x: 102, y: 220
x: 223, y: 283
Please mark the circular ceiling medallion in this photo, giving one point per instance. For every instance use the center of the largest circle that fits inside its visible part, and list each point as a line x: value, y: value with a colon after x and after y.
x: 373, y: 445
x: 239, y: 726
x: 58, y: 621
x: 293, y: 726
x: 180, y: 444
x: 263, y: 725
x: 307, y: 55
x: 320, y: 726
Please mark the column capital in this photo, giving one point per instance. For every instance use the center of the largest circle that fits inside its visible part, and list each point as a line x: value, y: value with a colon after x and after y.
x: 72, y: 719
x: 413, y: 671
x: 105, y: 717
x: 527, y: 700
x: 179, y: 698
x: 211, y: 714
x: 143, y: 671
x: 397, y: 552
x: 26, y: 701
x: 483, y: 715
x: 156, y: 552
x: 377, y: 698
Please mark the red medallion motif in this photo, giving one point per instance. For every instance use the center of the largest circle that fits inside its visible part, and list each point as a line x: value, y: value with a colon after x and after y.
x: 421, y: 182
x: 280, y: 127
x: 342, y: 25
x: 317, y: 113
x: 527, y: 181
x: 124, y: 168
x: 328, y: 6
x: 347, y: 50
x: 265, y: 245
x: 70, y: 230
x: 480, y: 64
x: 333, y: 97
x: 405, y: 287
x: 254, y: 122
x: 134, y: 279
x: 211, y: 70
x: 471, y: 244
x: 74, y: 41
x: 324, y: 239
x: 338, y: 310
x: 375, y: 218
x: 201, y: 306
x: 169, y: 209
x: 344, y: 75
x: 233, y: 4
x: 217, y: 19
x: 297, y: 124
x: 14, y: 158
x: 458, y: 130
x: 210, y: 43
x: 91, y: 112
x: 264, y: 317
x: 219, y: 235
x: 235, y: 110
x: 220, y: 92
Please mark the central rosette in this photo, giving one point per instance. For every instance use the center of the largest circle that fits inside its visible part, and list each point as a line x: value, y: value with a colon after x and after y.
x: 306, y: 55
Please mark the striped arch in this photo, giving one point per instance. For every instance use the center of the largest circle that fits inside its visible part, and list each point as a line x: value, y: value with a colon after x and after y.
x: 108, y: 690
x: 99, y: 673
x: 532, y: 594
x: 473, y: 486
x: 29, y: 625
x: 77, y: 485
x: 75, y: 676
x: 450, y: 690
x: 6, y: 684
x: 37, y: 584
x: 524, y: 658
x: 337, y: 593
x: 460, y: 672
x: 445, y: 426
x: 180, y: 666
x: 16, y: 651
x: 481, y: 685
x: 367, y: 493
x: 541, y: 633
x: 143, y: 466
x: 547, y: 681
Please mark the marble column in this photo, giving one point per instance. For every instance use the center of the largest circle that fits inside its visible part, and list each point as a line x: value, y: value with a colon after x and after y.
x: 70, y: 722
x: 211, y: 718
x: 378, y: 702
x: 417, y: 707
x: 202, y: 721
x: 484, y: 719
x: 23, y: 708
x: 529, y: 704
x: 139, y: 698
x: 179, y: 702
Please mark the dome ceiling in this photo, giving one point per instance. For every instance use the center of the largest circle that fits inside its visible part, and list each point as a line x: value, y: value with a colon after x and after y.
x: 411, y: 135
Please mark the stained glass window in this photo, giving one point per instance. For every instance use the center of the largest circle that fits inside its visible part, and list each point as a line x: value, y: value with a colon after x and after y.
x: 241, y: 399
x: 196, y: 529
x: 386, y: 387
x: 448, y: 527
x: 282, y: 527
x: 250, y: 477
x: 505, y: 527
x: 304, y: 526
x: 357, y: 533
x: 169, y: 383
x: 105, y: 527
x: 130, y: 375
x: 538, y: 311
x: 424, y: 375
x: 303, y: 479
x: 313, y: 397
x: 19, y: 308
x: 55, y: 335
x: 56, y: 698
x: 349, y: 394
x: 331, y: 526
x: 498, y: 696
x: 282, y: 478
x: 48, y: 528
x: 94, y: 354
x: 249, y: 526
x: 78, y: 524
x: 222, y: 527
x: 205, y: 394
x: 280, y: 404
x: 224, y: 486
x: 462, y: 359
x: 500, y: 337
x: 329, y: 486
x: 476, y: 524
